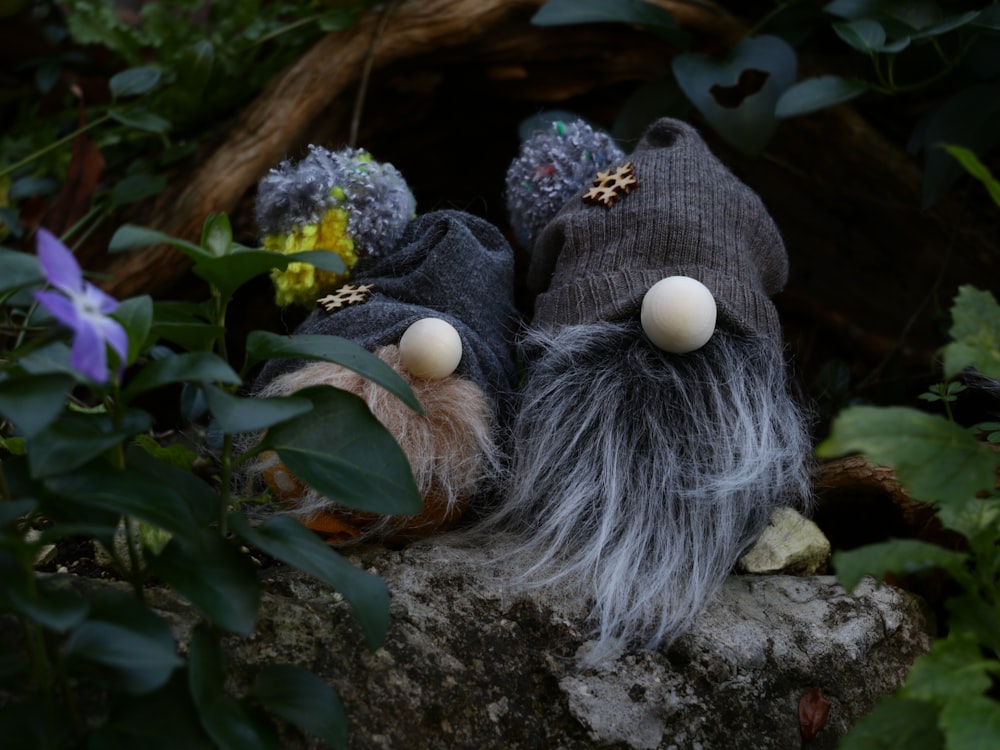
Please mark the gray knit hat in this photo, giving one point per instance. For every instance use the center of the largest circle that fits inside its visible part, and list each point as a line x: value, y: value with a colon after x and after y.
x: 678, y: 211
x: 449, y: 265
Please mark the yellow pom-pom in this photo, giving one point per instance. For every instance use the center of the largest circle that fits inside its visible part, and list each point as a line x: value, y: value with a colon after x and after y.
x: 302, y: 283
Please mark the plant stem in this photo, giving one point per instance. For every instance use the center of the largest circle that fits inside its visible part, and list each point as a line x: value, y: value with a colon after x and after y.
x: 54, y: 145
x: 225, y: 478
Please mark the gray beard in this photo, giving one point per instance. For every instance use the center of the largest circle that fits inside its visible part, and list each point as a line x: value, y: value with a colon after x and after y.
x: 639, y: 478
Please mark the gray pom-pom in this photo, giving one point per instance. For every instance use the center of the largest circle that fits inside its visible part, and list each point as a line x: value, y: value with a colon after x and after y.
x: 552, y: 166
x: 377, y: 199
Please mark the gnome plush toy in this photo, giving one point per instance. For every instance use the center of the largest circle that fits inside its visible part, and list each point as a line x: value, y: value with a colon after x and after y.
x: 431, y: 295
x: 656, y: 431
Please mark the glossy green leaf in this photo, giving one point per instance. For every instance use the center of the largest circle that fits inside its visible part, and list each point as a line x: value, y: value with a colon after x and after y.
x: 340, y: 449
x: 76, y: 439
x: 136, y: 316
x: 228, y: 273
x: 286, y: 539
x: 936, y: 460
x: 189, y: 367
x: 235, y: 414
x: 971, y: 163
x: 973, y: 517
x: 135, y: 81
x: 303, y: 699
x: 140, y: 119
x: 137, y: 187
x: 142, y: 661
x: 953, y: 668
x: 974, y: 333
x: 896, y: 724
x: 56, y: 609
x: 818, y: 93
x: 202, y: 499
x: 19, y: 270
x: 263, y: 345
x: 127, y: 493
x: 217, y: 235
x: 737, y: 95
x: 637, y: 12
x: 33, y: 403
x: 900, y: 557
x: 184, y: 324
x: 228, y: 722
x: 218, y: 579
x: 131, y: 237
x: 947, y: 25
x: 971, y: 723
x: 12, y: 509
x: 30, y: 186
x: 864, y: 34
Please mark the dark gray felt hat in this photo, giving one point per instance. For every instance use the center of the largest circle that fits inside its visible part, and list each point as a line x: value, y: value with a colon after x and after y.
x: 449, y: 265
x: 688, y: 216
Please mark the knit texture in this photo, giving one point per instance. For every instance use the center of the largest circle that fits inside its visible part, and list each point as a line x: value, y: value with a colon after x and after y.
x: 449, y: 265
x: 689, y: 216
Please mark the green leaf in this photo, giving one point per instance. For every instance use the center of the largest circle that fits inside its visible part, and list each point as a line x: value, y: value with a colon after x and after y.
x: 973, y: 517
x: 344, y: 452
x: 300, y: 697
x: 235, y: 415
x: 217, y: 235
x: 970, y: 162
x: 229, y: 272
x: 56, y: 609
x: 228, y: 722
x: 896, y: 724
x: 135, y: 81
x: 184, y: 324
x: 13, y: 509
x: 130, y: 237
x: 936, y: 460
x: 136, y: 316
x: 33, y: 403
x: 818, y: 93
x: 190, y: 367
x: 162, y: 467
x: 140, y: 119
x: 127, y: 493
x: 137, y: 187
x: 971, y: 723
x: 76, y: 439
x: 737, y: 95
x: 975, y: 333
x: 285, y: 539
x: 263, y: 345
x: 218, y: 579
x: 946, y: 25
x: 637, y: 12
x: 19, y: 270
x: 142, y: 661
x: 899, y: 556
x: 863, y: 34
x: 28, y: 187
x: 954, y: 668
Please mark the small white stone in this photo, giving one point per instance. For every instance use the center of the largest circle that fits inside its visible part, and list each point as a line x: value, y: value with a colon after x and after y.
x: 678, y: 314
x: 430, y: 348
x: 791, y: 544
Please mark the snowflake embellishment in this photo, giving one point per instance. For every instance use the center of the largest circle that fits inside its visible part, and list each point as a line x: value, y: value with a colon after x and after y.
x: 348, y: 294
x: 609, y: 187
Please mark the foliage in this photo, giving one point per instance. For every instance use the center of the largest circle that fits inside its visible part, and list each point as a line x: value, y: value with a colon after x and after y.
x: 946, y: 51
x: 949, y: 698
x: 81, y: 461
x: 173, y: 72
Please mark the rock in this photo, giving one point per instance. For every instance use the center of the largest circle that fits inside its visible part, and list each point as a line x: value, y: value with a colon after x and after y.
x: 792, y: 544
x: 468, y: 664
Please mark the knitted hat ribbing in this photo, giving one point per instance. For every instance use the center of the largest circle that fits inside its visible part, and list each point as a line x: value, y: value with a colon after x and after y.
x: 688, y: 216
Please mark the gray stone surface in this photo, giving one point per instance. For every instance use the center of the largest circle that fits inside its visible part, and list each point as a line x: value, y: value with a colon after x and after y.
x: 470, y: 665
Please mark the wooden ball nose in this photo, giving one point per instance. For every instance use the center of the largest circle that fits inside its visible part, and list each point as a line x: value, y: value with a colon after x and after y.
x: 678, y: 314
x: 430, y: 348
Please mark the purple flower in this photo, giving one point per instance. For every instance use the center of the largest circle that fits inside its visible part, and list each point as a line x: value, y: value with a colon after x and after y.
x: 81, y: 307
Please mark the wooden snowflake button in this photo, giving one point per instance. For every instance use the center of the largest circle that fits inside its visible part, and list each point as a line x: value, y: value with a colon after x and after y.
x: 610, y: 186
x: 348, y: 294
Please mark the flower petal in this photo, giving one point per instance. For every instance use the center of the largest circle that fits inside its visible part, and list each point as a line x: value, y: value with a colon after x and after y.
x: 116, y: 337
x: 89, y: 355
x: 94, y: 298
x: 60, y: 267
x: 61, y: 307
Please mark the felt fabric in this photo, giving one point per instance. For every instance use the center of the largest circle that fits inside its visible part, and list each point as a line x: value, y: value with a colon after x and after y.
x: 688, y: 216
x: 450, y: 265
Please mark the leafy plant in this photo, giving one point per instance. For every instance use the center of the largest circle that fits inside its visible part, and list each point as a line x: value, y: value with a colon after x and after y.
x: 949, y: 698
x: 893, y: 49
x: 80, y: 460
